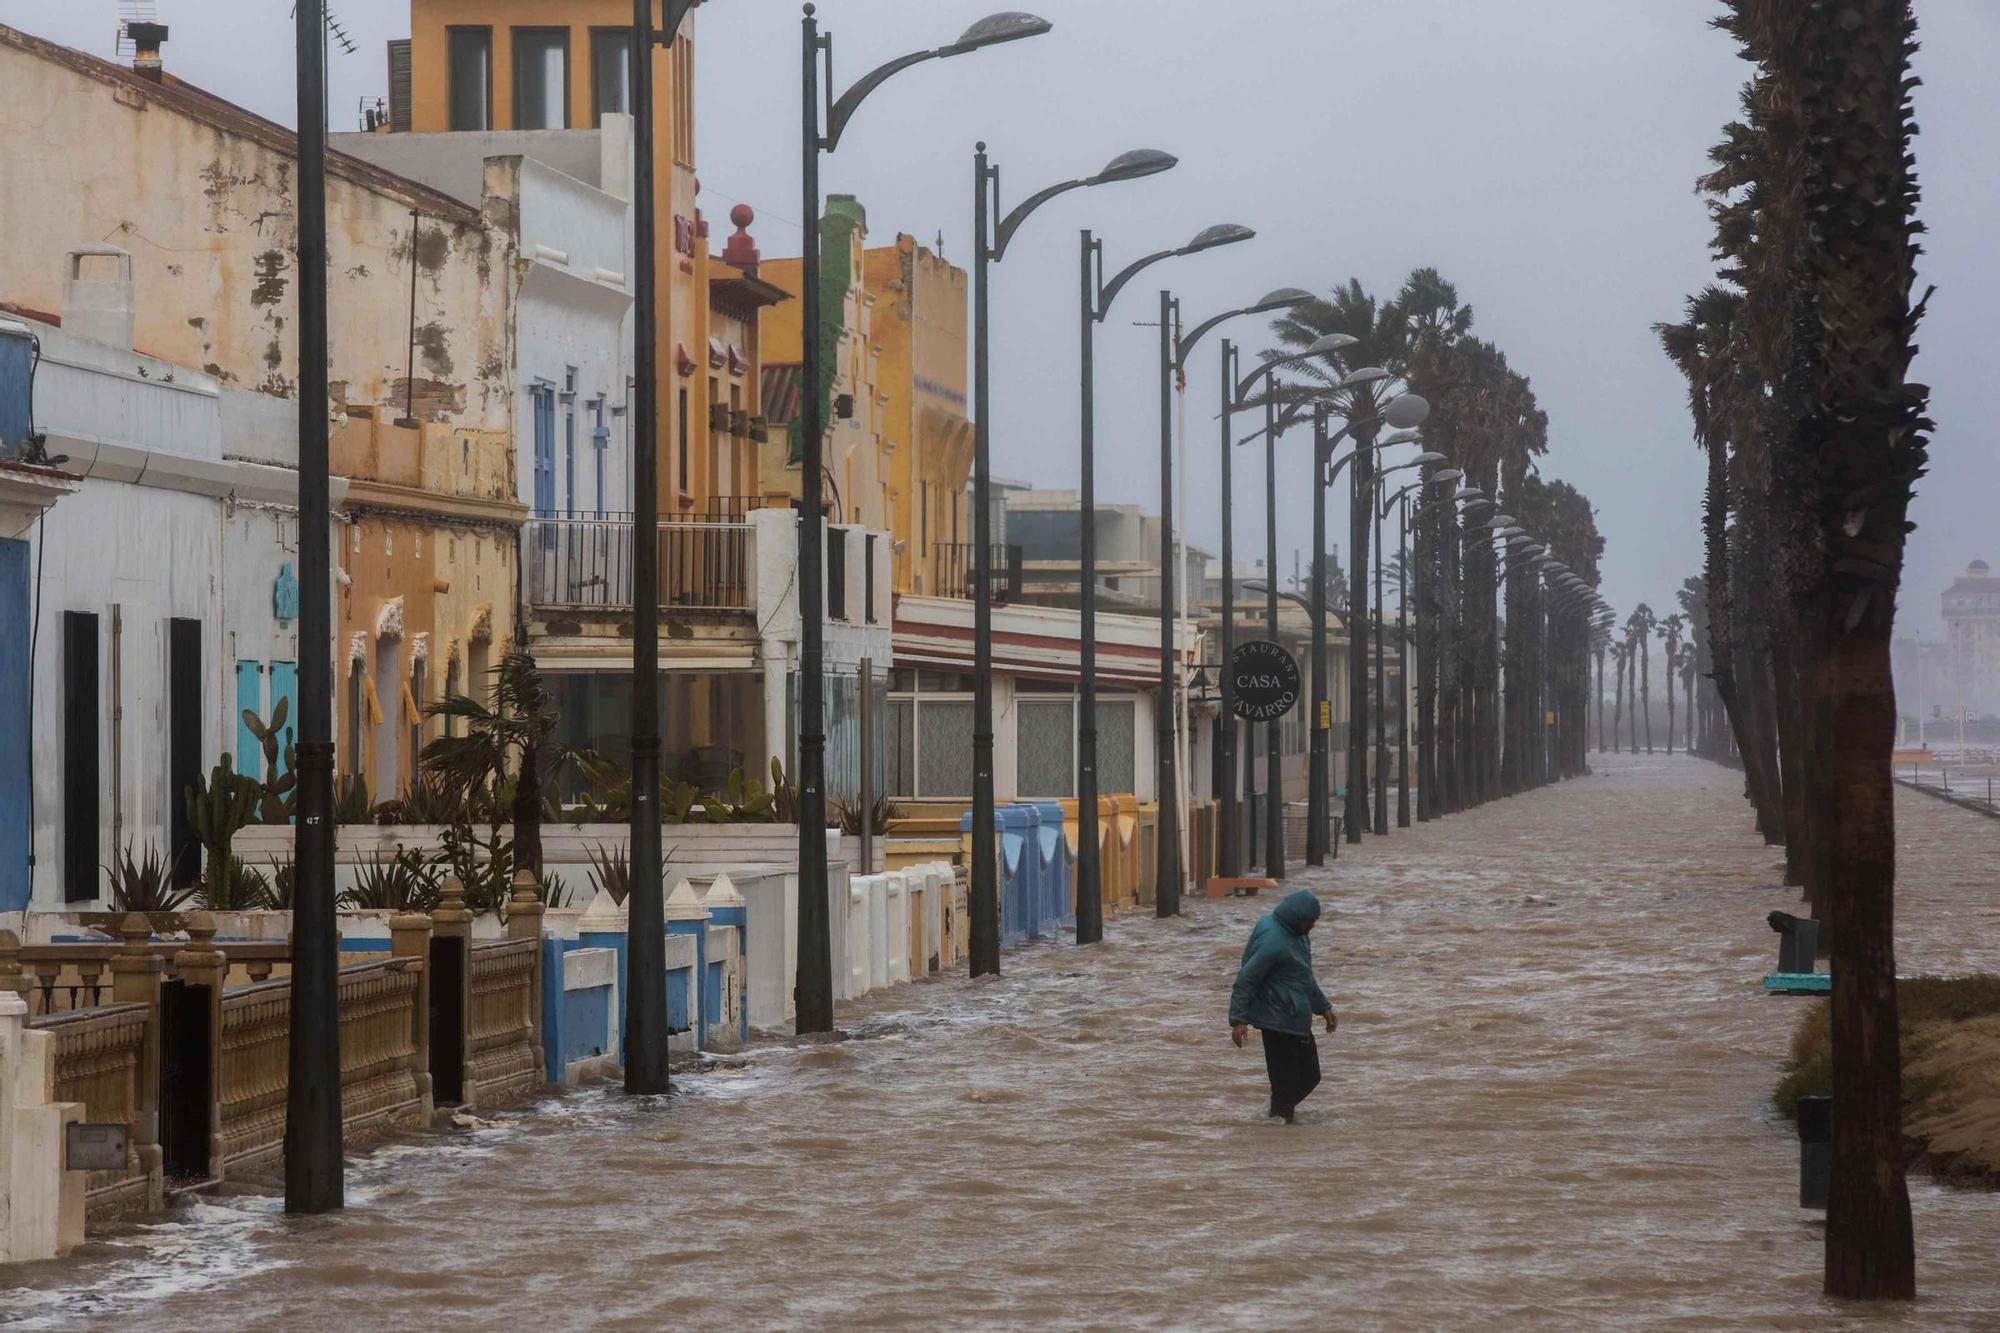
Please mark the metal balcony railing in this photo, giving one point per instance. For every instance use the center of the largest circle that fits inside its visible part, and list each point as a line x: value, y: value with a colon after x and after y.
x: 586, y: 564
x: 954, y: 572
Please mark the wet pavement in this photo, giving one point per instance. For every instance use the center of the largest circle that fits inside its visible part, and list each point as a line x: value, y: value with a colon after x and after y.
x: 1547, y: 1105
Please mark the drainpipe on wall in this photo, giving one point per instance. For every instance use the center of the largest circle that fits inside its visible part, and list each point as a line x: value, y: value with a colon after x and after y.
x: 117, y: 730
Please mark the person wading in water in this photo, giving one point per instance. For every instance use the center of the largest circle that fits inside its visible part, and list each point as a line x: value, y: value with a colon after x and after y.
x: 1276, y: 994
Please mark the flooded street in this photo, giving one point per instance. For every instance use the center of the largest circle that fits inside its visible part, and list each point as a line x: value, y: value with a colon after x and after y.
x: 1547, y: 1104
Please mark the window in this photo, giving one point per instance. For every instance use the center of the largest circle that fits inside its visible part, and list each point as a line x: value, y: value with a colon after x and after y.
x: 923, y: 518
x: 544, y: 399
x: 836, y: 573
x: 868, y: 578
x: 419, y: 687
x: 470, y: 54
x: 541, y: 78
x: 610, y: 73
x: 570, y: 506
x: 81, y: 710
x: 1117, y: 731
x: 356, y: 673
x: 1045, y: 747
x: 683, y: 102
x: 184, y: 749
x: 682, y: 418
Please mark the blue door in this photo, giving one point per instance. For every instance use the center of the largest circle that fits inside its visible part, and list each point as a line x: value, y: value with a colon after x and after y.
x: 249, y: 699
x: 545, y: 451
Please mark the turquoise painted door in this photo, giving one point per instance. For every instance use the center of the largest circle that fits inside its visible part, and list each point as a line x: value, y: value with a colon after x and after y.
x: 249, y: 699
x: 285, y: 685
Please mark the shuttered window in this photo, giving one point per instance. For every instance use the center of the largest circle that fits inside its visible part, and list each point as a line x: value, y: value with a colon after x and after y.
x: 81, y: 718
x: 184, y: 757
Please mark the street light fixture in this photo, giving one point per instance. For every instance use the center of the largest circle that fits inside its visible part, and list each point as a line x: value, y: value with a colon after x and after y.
x: 815, y: 967
x: 990, y: 244
x: 1174, y: 358
x: 1097, y: 298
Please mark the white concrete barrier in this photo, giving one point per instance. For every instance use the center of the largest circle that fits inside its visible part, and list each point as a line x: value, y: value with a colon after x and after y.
x: 859, y: 934
x: 898, y: 895
x: 878, y: 930
x: 41, y: 1216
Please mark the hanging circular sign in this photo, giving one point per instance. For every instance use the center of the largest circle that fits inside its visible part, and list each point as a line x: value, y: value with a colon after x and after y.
x: 1264, y: 681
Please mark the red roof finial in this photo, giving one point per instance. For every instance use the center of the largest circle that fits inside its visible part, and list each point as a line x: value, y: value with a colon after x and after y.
x: 741, y: 249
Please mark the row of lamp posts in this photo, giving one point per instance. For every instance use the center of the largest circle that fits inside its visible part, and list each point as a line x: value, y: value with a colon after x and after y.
x: 313, y: 1118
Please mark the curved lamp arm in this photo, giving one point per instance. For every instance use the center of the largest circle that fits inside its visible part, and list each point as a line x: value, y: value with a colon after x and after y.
x: 990, y: 31
x: 1109, y: 291
x: 850, y: 101
x: 1194, y: 335
x: 1012, y: 222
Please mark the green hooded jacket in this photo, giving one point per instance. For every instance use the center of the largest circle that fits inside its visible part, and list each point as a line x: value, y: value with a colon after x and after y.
x: 1275, y: 990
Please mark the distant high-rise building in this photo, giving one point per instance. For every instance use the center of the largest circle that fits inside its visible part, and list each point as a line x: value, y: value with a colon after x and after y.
x: 1972, y: 628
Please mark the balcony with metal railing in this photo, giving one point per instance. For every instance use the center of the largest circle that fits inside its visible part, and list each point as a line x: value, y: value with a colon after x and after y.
x: 955, y: 573
x: 585, y: 564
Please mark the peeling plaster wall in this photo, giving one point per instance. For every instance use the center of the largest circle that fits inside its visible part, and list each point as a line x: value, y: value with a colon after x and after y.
x: 202, y: 194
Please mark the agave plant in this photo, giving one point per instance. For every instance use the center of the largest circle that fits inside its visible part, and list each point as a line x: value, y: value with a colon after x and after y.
x: 611, y: 872
x: 143, y: 886
x: 229, y: 884
x: 279, y: 885
x: 405, y: 882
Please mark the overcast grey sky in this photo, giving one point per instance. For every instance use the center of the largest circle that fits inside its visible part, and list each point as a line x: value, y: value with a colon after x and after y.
x: 1541, y: 154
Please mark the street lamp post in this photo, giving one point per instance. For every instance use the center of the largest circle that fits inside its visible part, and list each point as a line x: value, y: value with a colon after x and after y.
x: 1236, y: 394
x: 815, y: 974
x: 1403, y: 654
x: 646, y: 954
x: 314, y: 1181
x: 1174, y: 358
x: 1097, y: 298
x: 990, y: 244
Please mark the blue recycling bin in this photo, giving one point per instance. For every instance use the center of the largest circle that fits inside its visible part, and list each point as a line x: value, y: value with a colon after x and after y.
x: 1058, y: 866
x: 1010, y: 829
x: 1021, y: 881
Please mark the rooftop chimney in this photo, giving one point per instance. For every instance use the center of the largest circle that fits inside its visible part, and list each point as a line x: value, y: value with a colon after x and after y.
x: 97, y: 295
x: 147, y: 38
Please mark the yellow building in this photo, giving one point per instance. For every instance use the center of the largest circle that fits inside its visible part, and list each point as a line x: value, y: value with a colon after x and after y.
x: 920, y: 326
x: 898, y: 446
x: 509, y: 66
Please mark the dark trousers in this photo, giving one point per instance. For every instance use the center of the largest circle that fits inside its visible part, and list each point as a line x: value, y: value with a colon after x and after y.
x: 1293, y: 1064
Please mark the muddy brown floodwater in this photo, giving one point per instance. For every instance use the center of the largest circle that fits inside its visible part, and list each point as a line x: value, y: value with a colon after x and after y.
x: 1547, y: 1105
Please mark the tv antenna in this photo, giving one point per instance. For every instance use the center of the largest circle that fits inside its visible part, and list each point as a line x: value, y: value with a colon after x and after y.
x: 334, y: 30
x: 130, y: 12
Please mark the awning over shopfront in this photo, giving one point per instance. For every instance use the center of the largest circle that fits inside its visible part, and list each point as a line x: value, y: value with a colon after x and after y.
x: 1036, y: 641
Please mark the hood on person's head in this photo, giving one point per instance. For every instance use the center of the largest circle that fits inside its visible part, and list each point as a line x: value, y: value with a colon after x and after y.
x: 1298, y: 910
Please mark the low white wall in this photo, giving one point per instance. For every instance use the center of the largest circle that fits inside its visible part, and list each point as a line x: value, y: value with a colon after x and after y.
x: 41, y: 1215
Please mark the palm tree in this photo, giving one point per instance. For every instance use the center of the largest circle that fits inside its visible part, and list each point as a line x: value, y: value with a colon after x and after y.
x: 1381, y: 339
x: 508, y: 736
x: 1621, y: 657
x: 1670, y: 632
x: 1641, y: 627
x: 1832, y: 127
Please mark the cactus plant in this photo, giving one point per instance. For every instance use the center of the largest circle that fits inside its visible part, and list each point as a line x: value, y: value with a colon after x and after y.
x: 280, y: 791
x: 219, y: 807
